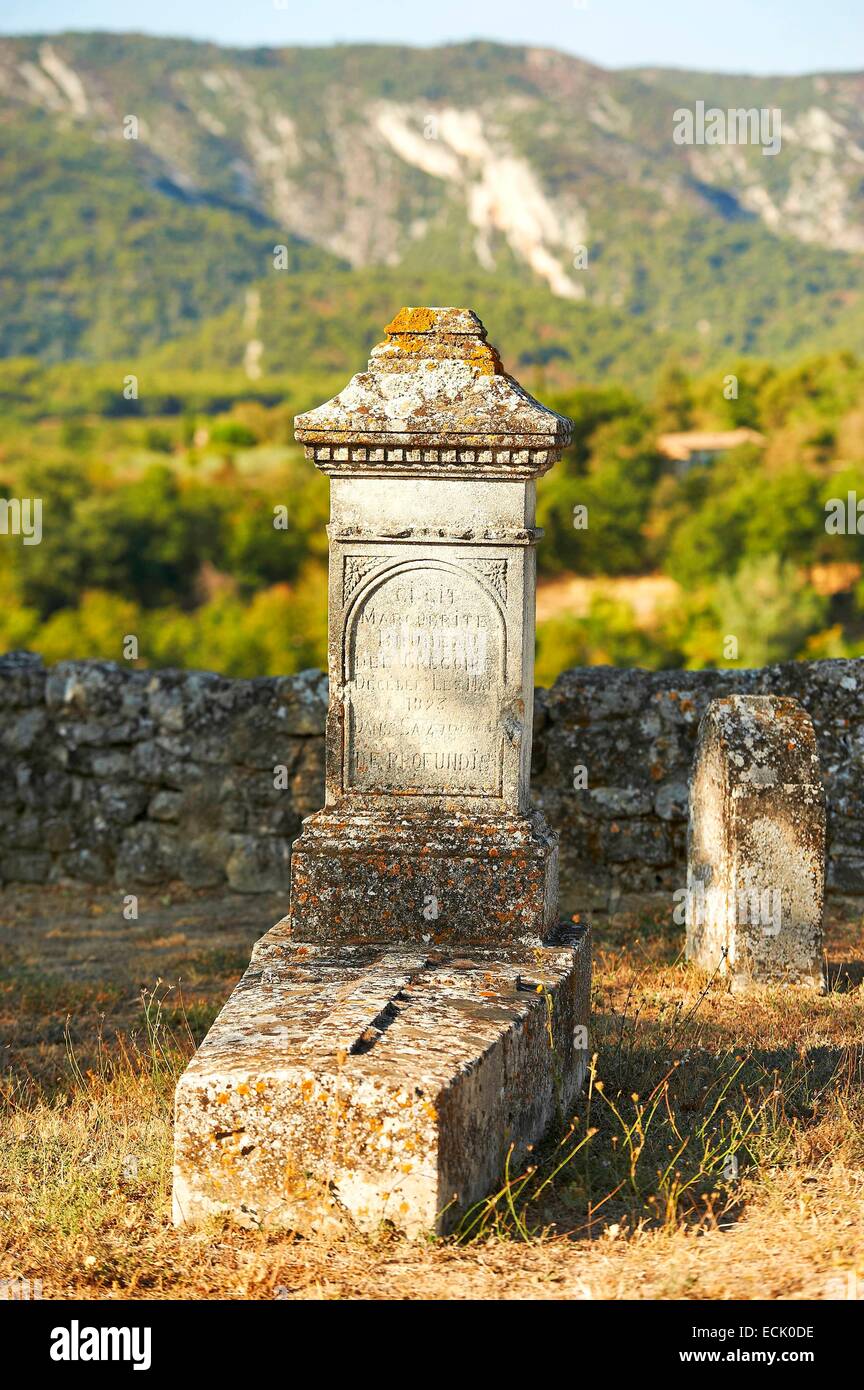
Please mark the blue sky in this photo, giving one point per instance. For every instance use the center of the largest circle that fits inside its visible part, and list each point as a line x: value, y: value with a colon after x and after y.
x: 761, y: 36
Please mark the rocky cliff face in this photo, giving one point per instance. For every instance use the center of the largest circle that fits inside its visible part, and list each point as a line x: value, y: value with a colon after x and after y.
x: 362, y: 150
x: 475, y: 158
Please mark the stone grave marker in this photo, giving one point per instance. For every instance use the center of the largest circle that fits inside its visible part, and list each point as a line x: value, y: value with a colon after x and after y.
x: 420, y: 1011
x: 756, y: 844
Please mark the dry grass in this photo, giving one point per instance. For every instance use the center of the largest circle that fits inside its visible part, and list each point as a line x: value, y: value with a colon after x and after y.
x: 718, y: 1153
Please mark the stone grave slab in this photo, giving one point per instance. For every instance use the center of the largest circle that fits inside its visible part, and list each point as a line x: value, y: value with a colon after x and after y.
x: 384, y: 1082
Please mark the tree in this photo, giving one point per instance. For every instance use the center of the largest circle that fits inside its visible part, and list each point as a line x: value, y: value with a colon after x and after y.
x: 770, y: 609
x: 673, y: 401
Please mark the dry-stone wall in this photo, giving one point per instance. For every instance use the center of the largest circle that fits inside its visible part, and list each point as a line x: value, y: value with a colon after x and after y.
x: 111, y: 774
x: 625, y: 837
x: 136, y: 777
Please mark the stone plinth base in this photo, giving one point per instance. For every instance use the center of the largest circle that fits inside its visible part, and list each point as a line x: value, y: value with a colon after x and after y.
x: 445, y: 879
x: 372, y: 1083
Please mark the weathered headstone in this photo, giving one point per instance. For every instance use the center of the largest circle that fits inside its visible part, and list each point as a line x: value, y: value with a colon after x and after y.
x: 433, y: 455
x: 756, y: 844
x: 419, y: 1011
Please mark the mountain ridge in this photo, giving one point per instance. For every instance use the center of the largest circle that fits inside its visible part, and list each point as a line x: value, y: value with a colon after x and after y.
x: 552, y: 177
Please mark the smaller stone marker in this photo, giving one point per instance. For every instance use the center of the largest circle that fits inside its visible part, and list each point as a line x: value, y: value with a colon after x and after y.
x: 756, y: 844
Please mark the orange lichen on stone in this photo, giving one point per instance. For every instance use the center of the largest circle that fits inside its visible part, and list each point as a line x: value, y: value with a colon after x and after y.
x: 411, y: 320
x: 407, y: 342
x: 484, y: 358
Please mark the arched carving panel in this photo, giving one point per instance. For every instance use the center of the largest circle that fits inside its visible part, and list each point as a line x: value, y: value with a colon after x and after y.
x: 424, y: 681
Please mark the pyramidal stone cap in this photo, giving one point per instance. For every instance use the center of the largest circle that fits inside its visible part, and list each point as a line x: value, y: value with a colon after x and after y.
x: 434, y: 401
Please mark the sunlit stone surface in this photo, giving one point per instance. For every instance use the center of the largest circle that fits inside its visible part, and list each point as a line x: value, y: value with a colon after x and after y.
x: 756, y: 850
x: 376, y: 1083
x: 419, y: 1012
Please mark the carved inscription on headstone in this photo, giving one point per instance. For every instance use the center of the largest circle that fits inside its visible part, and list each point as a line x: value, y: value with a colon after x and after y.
x: 425, y: 655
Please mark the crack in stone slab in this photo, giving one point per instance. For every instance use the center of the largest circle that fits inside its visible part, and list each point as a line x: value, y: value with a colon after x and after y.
x: 354, y: 1025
